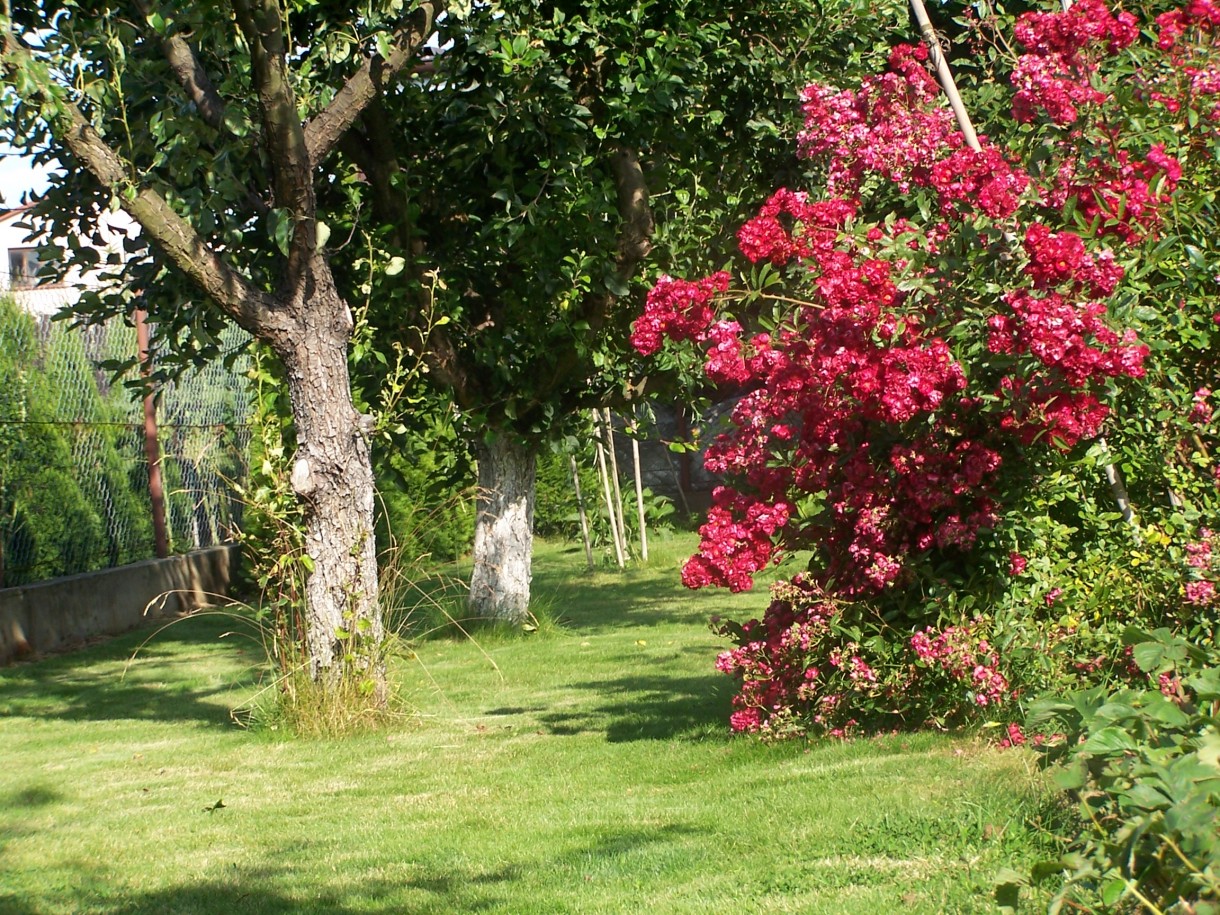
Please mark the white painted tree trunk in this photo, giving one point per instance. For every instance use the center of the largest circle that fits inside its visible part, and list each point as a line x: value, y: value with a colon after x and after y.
x: 504, y: 531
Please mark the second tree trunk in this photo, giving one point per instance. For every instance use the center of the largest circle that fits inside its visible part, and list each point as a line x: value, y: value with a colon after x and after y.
x: 504, y: 531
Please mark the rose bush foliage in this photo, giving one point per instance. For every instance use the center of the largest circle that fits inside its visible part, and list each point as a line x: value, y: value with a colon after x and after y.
x: 948, y: 360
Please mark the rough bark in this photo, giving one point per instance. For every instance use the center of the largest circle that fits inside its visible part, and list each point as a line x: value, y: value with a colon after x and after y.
x: 504, y: 531
x: 333, y: 477
x: 190, y: 74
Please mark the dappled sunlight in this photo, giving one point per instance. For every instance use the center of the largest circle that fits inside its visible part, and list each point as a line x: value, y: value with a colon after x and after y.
x: 195, y: 669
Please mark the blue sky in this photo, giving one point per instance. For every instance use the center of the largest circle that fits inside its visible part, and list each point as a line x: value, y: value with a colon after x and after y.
x: 17, y: 176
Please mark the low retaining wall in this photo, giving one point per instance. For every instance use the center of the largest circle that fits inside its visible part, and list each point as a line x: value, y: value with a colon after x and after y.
x: 58, y: 614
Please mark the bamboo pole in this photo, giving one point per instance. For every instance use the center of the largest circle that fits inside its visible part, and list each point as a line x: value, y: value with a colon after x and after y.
x: 605, y: 477
x: 639, y: 486
x: 945, y: 75
x: 618, y: 490
x: 584, y: 519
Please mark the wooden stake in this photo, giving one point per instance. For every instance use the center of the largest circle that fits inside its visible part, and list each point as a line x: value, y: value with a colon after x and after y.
x: 584, y: 519
x: 605, y: 476
x: 639, y: 487
x: 945, y: 75
x: 618, y: 491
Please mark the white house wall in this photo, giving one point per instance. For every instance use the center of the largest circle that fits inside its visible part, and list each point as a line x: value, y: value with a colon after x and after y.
x: 50, y: 296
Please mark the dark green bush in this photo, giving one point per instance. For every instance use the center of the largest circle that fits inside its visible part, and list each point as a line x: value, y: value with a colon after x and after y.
x: 425, y: 497
x: 556, y: 513
x: 69, y: 499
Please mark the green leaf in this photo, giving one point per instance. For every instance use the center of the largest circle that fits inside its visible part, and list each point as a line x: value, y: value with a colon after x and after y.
x: 1209, y: 748
x: 1115, y: 711
x: 1149, y: 656
x: 1072, y: 777
x: 1008, y: 885
x: 396, y: 266
x: 1144, y: 797
x: 384, y: 45
x: 616, y: 285
x: 1107, y: 741
x: 1113, y: 890
x: 235, y: 123
x: 1044, y: 869
x: 280, y: 225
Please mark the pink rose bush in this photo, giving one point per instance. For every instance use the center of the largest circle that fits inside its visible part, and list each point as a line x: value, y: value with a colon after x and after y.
x: 919, y: 369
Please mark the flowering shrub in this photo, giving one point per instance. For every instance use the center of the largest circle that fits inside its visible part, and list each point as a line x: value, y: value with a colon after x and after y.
x: 1200, y: 588
x: 806, y: 663
x: 912, y: 403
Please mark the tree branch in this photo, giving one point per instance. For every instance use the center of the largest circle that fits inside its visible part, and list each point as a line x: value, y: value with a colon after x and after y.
x: 372, y: 150
x: 634, y: 244
x: 291, y: 167
x: 635, y: 238
x: 191, y: 75
x: 635, y: 235
x: 324, y: 130
x: 249, y: 306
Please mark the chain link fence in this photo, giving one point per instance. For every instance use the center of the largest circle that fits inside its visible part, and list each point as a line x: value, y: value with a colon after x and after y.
x: 74, y: 476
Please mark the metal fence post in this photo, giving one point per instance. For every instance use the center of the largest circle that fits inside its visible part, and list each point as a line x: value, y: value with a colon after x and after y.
x: 152, y: 447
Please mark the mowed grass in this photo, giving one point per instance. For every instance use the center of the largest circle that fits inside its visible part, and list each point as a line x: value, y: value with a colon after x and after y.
x: 587, y: 768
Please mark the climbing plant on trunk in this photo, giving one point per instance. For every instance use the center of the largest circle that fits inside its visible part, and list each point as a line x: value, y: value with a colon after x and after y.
x: 210, y: 125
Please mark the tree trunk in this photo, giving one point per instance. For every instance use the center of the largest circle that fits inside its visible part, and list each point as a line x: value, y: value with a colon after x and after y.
x: 304, y: 320
x: 332, y: 474
x: 504, y: 531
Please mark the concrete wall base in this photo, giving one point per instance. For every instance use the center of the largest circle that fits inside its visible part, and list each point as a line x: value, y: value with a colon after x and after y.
x: 65, y: 612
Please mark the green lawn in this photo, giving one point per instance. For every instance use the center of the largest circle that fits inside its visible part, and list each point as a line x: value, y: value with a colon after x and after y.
x: 585, y: 769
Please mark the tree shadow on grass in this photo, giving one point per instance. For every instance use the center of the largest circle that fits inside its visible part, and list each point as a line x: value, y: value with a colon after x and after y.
x: 606, y: 603
x: 15, y: 808
x: 236, y: 897
x: 619, y: 849
x: 151, y: 674
x: 435, y: 885
x: 648, y: 707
